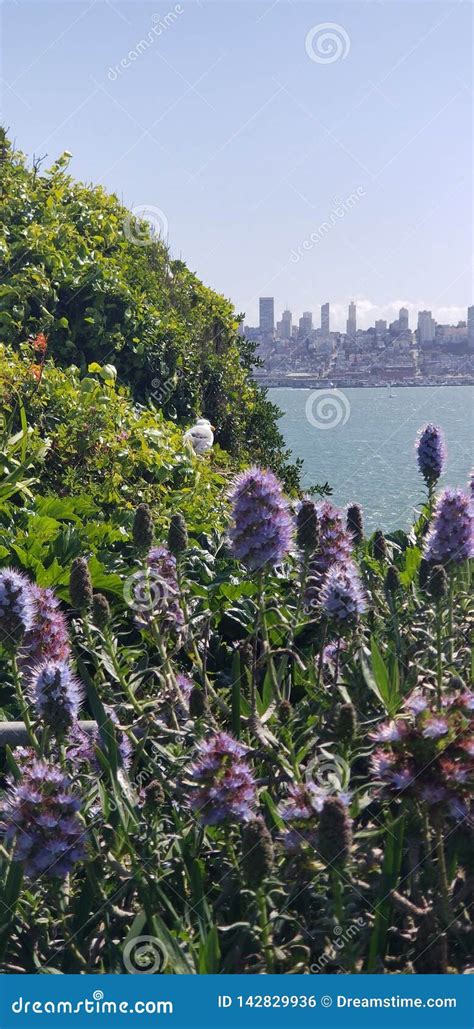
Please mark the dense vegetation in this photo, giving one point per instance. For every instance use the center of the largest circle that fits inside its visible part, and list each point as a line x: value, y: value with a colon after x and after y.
x: 248, y: 729
x: 102, y: 289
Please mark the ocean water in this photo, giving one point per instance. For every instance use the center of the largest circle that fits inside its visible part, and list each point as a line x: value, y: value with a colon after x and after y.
x: 361, y: 441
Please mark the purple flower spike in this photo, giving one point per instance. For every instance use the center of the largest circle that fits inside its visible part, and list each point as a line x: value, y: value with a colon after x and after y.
x: 262, y: 525
x: 450, y: 539
x: 342, y: 596
x: 56, y: 694
x: 16, y: 607
x: 431, y: 453
x: 47, y: 639
x: 41, y: 819
x: 223, y: 786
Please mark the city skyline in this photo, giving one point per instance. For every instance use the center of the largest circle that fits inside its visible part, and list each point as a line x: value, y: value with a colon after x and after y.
x: 425, y: 322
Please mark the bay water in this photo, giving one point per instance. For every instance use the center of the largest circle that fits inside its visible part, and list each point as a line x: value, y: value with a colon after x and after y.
x: 361, y: 441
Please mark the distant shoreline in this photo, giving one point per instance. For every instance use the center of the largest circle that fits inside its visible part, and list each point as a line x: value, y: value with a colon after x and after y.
x: 293, y: 382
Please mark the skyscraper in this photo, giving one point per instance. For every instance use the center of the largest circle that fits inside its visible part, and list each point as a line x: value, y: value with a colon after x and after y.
x: 306, y: 324
x: 325, y: 321
x: 426, y: 327
x: 286, y: 324
x: 267, y: 316
x: 470, y: 327
x: 351, y: 324
x: 403, y: 325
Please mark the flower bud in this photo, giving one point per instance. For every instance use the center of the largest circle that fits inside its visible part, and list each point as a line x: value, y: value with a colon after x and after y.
x: 354, y: 523
x: 346, y: 722
x: 142, y: 527
x: 100, y: 610
x: 80, y: 584
x: 307, y: 529
x: 437, y: 583
x: 197, y: 702
x: 177, y: 535
x: 284, y: 712
x: 334, y: 839
x: 392, y: 580
x: 379, y: 546
x: 257, y: 852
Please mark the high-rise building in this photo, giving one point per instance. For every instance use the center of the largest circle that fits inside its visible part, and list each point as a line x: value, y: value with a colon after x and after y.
x: 267, y: 316
x: 325, y: 321
x: 426, y: 327
x: 403, y: 325
x: 351, y: 324
x: 470, y: 327
x: 306, y: 324
x: 286, y: 324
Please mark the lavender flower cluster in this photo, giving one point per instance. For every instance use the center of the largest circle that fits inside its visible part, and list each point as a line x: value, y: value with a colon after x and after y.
x: 223, y: 786
x: 428, y: 753
x: 451, y: 536
x: 47, y: 638
x: 16, y: 607
x: 431, y: 453
x: 56, y: 694
x: 41, y: 820
x: 262, y: 527
x: 318, y: 820
x: 342, y: 597
x: 160, y: 592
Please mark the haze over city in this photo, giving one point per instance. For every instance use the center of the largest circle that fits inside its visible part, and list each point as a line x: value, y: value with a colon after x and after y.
x: 273, y: 166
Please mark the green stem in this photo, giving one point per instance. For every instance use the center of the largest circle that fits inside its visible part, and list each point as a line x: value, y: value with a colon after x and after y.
x: 265, y: 931
x: 442, y: 875
x: 23, y: 705
x: 450, y: 614
x: 266, y: 638
x: 439, y: 654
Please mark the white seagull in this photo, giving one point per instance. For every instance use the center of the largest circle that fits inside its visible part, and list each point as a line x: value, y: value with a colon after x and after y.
x: 200, y: 436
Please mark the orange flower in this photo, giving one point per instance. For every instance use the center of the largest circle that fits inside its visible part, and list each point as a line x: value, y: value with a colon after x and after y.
x: 40, y: 343
x: 36, y: 371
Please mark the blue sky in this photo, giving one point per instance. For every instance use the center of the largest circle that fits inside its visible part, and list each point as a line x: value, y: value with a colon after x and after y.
x: 242, y: 145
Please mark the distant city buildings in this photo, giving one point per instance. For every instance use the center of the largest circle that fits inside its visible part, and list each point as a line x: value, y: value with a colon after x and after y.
x: 267, y: 316
x: 426, y: 327
x: 351, y: 324
x: 470, y: 327
x: 403, y: 320
x: 382, y: 354
x: 325, y: 321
